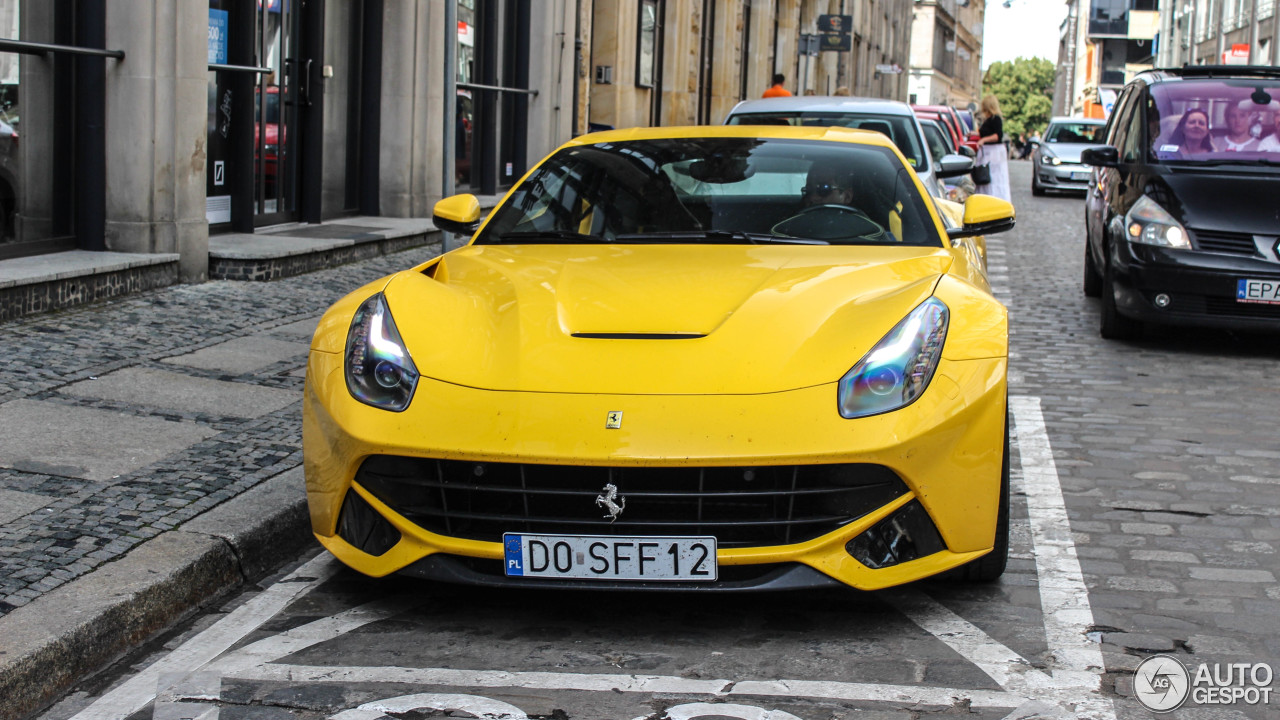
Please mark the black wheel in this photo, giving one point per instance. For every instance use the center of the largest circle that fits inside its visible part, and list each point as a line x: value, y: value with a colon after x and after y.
x: 991, y: 566
x: 1035, y: 187
x: 1115, y: 326
x: 1092, y: 278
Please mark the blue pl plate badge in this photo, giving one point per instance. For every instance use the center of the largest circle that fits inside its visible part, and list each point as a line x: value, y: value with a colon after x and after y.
x: 515, y: 555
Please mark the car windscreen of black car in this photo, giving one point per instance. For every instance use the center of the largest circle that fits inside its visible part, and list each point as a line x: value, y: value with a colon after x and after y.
x: 1214, y: 121
x: 717, y: 190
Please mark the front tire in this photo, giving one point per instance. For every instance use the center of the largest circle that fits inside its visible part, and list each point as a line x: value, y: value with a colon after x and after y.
x: 1035, y: 186
x: 990, y: 567
x: 1115, y: 326
x: 1092, y: 278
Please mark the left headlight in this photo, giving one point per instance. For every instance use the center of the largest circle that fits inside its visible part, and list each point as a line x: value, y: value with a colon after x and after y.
x: 377, y: 366
x: 898, y: 369
x: 1048, y: 159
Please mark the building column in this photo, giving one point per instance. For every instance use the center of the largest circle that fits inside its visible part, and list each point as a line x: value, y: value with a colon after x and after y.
x: 412, y: 97
x: 156, y: 131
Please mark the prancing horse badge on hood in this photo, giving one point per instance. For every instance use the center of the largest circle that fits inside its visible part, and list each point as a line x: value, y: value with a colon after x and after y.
x: 613, y: 420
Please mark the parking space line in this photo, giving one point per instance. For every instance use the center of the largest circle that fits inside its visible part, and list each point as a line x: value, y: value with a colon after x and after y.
x: 1010, y: 670
x: 136, y: 692
x: 933, y: 696
x: 1064, y: 597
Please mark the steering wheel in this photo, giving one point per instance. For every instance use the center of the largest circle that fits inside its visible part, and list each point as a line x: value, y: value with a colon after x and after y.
x: 830, y: 222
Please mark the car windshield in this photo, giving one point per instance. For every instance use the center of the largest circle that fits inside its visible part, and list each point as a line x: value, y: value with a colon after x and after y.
x: 899, y: 128
x: 937, y: 143
x: 1070, y: 132
x: 716, y: 190
x: 1220, y: 121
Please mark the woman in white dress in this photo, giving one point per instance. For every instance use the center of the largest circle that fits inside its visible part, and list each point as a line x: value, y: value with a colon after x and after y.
x: 994, y: 153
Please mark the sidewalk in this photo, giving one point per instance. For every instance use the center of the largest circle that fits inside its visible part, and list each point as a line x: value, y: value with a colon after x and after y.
x: 150, y: 462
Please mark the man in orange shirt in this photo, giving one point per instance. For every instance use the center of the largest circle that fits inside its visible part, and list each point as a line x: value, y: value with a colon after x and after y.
x: 777, y: 90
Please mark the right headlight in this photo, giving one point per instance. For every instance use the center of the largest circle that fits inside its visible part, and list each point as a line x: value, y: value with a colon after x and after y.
x: 898, y: 369
x: 1149, y: 224
x: 1048, y: 159
x: 377, y: 366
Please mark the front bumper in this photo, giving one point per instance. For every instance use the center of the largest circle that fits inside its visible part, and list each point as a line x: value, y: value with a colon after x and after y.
x: 946, y: 448
x: 1067, y: 176
x: 1201, y: 287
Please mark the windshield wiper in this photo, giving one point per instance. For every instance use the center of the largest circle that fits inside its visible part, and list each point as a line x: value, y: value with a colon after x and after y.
x: 551, y: 237
x: 716, y: 237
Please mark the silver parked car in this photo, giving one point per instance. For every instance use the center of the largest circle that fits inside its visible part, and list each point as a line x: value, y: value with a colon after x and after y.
x: 1056, y: 158
x: 889, y: 117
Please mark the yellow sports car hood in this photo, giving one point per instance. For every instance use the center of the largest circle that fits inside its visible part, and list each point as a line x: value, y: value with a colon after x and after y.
x: 656, y: 319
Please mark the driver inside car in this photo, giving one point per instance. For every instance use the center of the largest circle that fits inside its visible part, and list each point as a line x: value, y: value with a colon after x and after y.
x: 826, y: 184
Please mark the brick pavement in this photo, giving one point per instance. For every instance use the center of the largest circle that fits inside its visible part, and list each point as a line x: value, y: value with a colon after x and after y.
x: 204, y: 379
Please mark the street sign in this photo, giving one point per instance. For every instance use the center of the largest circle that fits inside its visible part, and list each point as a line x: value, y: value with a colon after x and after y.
x: 832, y: 42
x: 893, y: 69
x: 835, y: 23
x: 809, y: 44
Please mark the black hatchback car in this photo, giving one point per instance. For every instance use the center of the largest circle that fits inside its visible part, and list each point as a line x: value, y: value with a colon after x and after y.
x: 1183, y: 215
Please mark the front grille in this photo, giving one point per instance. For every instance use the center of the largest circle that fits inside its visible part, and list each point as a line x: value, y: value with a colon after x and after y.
x: 1226, y: 242
x: 740, y: 506
x: 1232, y: 308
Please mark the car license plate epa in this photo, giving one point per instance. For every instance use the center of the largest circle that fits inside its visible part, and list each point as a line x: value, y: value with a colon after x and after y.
x: 1258, y: 291
x: 609, y: 557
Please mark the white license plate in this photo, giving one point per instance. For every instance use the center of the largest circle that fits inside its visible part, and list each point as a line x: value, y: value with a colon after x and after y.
x: 609, y: 557
x: 1080, y: 176
x: 1258, y: 291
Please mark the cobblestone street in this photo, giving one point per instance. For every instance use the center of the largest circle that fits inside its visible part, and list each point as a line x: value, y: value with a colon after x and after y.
x: 191, y: 393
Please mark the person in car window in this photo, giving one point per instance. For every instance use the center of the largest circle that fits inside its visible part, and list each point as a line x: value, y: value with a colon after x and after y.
x: 1191, y: 136
x: 1271, y: 143
x: 826, y: 184
x: 1238, y: 138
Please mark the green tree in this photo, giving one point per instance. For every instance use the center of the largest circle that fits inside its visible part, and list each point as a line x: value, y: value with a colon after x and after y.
x: 1025, y: 90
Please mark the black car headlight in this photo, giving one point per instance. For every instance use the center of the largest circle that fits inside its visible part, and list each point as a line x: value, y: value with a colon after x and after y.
x: 377, y: 366
x: 1149, y: 224
x: 898, y: 369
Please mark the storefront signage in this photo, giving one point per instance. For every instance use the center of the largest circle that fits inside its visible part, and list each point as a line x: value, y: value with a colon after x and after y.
x: 835, y: 23
x: 217, y: 37
x: 831, y: 42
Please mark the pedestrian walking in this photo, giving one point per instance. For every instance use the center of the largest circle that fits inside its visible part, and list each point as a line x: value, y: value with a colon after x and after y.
x: 993, y: 154
x: 777, y: 90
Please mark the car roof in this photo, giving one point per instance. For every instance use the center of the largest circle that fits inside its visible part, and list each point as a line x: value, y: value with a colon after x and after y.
x: 821, y: 133
x: 1077, y: 120
x: 823, y: 103
x: 1209, y: 71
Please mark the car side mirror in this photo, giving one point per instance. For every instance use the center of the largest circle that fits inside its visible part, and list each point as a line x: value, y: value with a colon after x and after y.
x: 967, y: 151
x: 984, y: 215
x: 1102, y: 156
x: 954, y: 165
x: 459, y: 214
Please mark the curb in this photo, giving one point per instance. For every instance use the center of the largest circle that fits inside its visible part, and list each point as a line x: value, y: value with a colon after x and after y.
x: 49, y: 645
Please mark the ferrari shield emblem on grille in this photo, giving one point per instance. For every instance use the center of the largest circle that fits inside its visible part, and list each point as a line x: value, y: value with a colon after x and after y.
x: 611, y: 501
x: 613, y: 420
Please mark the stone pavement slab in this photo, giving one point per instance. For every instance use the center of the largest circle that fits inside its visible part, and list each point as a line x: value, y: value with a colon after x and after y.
x: 176, y: 391
x: 42, y: 436
x: 242, y: 355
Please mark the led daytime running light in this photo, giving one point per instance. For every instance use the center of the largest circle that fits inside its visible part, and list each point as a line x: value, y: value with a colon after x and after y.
x: 378, y: 369
x: 898, y: 369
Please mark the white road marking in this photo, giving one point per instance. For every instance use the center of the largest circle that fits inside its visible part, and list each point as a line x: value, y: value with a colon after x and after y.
x: 1010, y: 670
x: 470, y: 704
x: 668, y: 684
x: 1064, y: 597
x: 690, y: 711
x: 135, y: 693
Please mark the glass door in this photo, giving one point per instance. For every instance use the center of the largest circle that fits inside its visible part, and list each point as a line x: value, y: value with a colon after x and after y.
x: 277, y: 95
